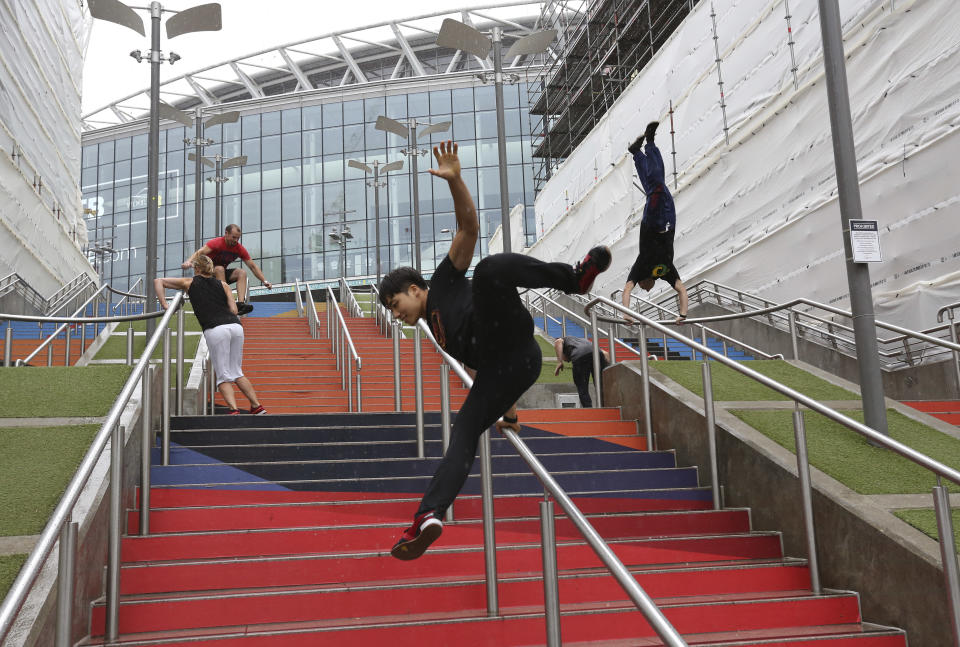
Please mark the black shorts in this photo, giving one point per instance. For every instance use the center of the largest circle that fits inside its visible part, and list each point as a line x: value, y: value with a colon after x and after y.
x: 655, y: 260
x: 229, y: 274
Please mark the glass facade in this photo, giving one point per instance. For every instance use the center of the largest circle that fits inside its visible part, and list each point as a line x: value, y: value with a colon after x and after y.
x: 297, y: 189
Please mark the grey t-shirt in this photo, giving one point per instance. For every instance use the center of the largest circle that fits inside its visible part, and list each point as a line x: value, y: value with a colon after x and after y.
x: 576, y: 347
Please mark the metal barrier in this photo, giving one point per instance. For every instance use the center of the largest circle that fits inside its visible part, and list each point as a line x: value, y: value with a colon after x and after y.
x: 940, y: 497
x: 342, y: 344
x: 644, y: 603
x: 61, y: 525
x: 389, y: 327
x: 94, y: 298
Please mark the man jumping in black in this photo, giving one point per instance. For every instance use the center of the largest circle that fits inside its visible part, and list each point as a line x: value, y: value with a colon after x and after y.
x: 655, y: 259
x: 483, y: 324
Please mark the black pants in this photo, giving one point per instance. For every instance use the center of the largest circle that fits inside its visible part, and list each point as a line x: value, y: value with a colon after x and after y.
x: 510, y: 361
x: 582, y: 370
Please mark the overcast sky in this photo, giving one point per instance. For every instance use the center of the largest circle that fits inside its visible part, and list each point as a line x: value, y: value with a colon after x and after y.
x: 248, y: 26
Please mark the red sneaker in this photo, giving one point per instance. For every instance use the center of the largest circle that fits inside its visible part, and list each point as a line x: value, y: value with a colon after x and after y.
x: 417, y: 538
x: 258, y: 410
x: 597, y: 260
x: 233, y: 412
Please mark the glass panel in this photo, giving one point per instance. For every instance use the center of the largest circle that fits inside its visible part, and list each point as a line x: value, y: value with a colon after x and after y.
x: 398, y: 195
x: 138, y: 169
x: 464, y: 127
x: 122, y: 172
x: 290, y: 120
x: 313, y: 170
x: 252, y: 243
x: 332, y: 140
x: 468, y: 154
x: 271, y: 176
x: 373, y: 108
x: 488, y: 180
x: 291, y: 268
x: 292, y: 241
x: 332, y: 114
x: 484, y: 98
x: 250, y: 126
x: 333, y: 201
x: 250, y: 213
x: 511, y: 123
x: 292, y: 211
x: 332, y: 168
x: 353, y: 111
x: 251, y: 148
x: 230, y: 210
x: 291, y: 173
x: 313, y: 239
x: 232, y: 185
x: 105, y: 176
x: 270, y: 209
x: 312, y: 143
x: 355, y: 199
x: 270, y: 123
x: 486, y: 124
x: 462, y: 100
x: 313, y: 204
x: 139, y: 146
x: 397, y: 106
x: 442, y: 200
x: 440, y: 102
x: 514, y: 151
x: 175, y: 139
x: 352, y: 139
x: 90, y: 155
x: 231, y: 132
x: 270, y: 242
x: 251, y: 178
x: 311, y: 117
x: 374, y: 138
x: 489, y: 155
x: 515, y: 185
x: 418, y: 104
x: 270, y: 149
x: 291, y: 146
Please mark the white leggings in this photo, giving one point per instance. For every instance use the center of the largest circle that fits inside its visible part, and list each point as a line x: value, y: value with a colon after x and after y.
x: 225, y: 344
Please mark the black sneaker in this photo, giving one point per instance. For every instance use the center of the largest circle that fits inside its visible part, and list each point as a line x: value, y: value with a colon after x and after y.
x: 417, y: 538
x: 597, y: 260
x: 244, y: 308
x: 651, y: 130
x: 637, y: 144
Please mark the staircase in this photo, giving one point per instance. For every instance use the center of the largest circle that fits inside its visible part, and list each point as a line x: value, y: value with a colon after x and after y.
x: 275, y: 530
x: 946, y: 410
x: 27, y: 335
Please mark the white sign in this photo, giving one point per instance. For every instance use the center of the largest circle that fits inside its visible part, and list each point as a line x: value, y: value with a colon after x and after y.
x: 865, y: 241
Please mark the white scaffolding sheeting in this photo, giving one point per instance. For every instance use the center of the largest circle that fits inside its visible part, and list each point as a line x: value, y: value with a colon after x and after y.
x: 41, y: 62
x: 761, y: 214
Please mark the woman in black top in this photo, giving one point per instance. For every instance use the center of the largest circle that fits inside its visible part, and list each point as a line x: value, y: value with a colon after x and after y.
x: 216, y: 310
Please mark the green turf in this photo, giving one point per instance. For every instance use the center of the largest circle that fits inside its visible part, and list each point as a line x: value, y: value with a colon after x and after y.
x: 60, y: 391
x: 730, y: 385
x: 116, y: 347
x: 36, y: 463
x: 925, y: 520
x: 847, y: 457
x: 190, y: 324
x: 9, y: 567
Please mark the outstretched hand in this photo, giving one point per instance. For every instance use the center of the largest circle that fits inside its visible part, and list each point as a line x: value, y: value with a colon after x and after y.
x: 556, y: 371
x: 448, y: 163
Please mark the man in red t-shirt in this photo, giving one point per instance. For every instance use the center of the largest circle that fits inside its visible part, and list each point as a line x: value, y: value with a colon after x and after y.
x: 223, y: 251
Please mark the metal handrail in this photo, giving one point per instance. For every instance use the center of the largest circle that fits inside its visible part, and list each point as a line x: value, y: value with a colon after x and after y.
x: 60, y: 520
x: 947, y: 310
x: 941, y: 500
x: 340, y: 336
x: 386, y: 322
x: 58, y: 303
x: 637, y: 595
x: 298, y: 297
x: 62, y: 327
x: 14, y: 283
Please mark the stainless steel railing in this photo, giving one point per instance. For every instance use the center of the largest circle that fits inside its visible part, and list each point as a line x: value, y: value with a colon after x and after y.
x: 48, y: 342
x: 125, y: 297
x: 343, y: 346
x: 389, y: 327
x: 940, y: 497
x: 637, y: 595
x: 61, y: 524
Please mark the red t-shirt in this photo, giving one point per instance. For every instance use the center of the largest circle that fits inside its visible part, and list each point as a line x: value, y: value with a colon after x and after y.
x: 222, y: 255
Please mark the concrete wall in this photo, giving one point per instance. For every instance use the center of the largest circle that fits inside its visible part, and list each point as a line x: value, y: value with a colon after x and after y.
x: 936, y: 381
x: 862, y: 547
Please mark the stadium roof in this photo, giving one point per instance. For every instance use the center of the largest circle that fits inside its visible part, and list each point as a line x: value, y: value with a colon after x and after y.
x: 399, y: 49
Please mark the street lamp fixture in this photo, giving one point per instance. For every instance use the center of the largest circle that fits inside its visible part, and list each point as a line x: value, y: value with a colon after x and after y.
x: 377, y: 170
x: 461, y: 37
x: 204, y: 17
x: 408, y: 129
x: 220, y: 164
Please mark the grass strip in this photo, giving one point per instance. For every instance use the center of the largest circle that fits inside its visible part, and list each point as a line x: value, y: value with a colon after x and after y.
x: 116, y: 347
x: 728, y: 384
x: 60, y: 391
x: 36, y: 463
x: 9, y: 568
x: 925, y: 520
x: 847, y: 457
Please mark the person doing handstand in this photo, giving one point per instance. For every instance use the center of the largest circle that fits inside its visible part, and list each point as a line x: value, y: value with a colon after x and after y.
x: 655, y: 258
x: 483, y: 324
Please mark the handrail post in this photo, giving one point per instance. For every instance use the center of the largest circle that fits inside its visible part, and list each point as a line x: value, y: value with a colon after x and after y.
x: 49, y: 354
x: 551, y: 586
x: 348, y: 373
x: 612, y: 338
x: 145, y: 449
x: 956, y: 354
x: 445, y: 420
x: 359, y: 400
x: 803, y: 471
x: 645, y: 381
x: 7, y: 344
x: 710, y: 414
x: 165, y: 398
x: 396, y: 365
x: 418, y: 388
x: 596, y: 356
x: 211, y: 385
x: 115, y: 531
x: 130, y: 345
x: 65, y: 574
x: 66, y: 353
x: 489, y: 534
x: 792, y: 319
x: 948, y: 555
x: 83, y: 336
x: 563, y: 324
x: 179, y: 379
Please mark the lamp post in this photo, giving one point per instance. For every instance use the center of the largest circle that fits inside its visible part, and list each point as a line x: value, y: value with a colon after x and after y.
x: 458, y: 36
x: 408, y: 129
x: 376, y: 184
x: 199, y: 142
x: 204, y: 17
